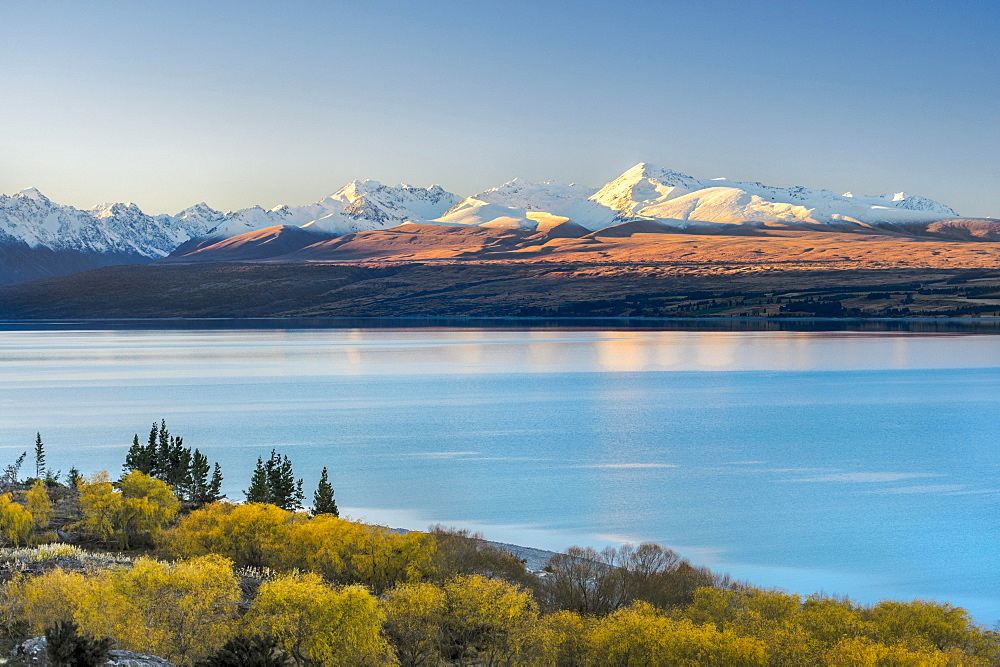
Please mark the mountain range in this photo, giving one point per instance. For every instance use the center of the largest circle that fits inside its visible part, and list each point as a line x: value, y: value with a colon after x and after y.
x: 39, y: 237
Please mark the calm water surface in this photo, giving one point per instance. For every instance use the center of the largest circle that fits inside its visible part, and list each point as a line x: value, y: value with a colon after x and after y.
x: 861, y: 464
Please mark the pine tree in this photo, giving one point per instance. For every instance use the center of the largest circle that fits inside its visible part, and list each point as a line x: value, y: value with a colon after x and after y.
x: 199, y: 470
x: 39, y: 457
x: 286, y: 491
x: 134, y: 460
x: 165, y: 458
x: 323, y: 502
x: 151, y: 450
x: 73, y: 477
x: 178, y: 469
x: 260, y: 489
x: 215, y: 486
x: 163, y: 451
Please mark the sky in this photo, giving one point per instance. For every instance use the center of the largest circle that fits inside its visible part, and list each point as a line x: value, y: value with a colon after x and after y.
x: 167, y: 104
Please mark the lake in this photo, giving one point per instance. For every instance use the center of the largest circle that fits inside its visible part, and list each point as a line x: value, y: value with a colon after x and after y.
x: 858, y: 463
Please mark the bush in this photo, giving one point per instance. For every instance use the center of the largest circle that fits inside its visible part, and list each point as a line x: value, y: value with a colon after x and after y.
x: 264, y: 536
x: 135, y: 514
x: 248, y: 651
x: 68, y: 648
x: 461, y: 552
x: 318, y: 624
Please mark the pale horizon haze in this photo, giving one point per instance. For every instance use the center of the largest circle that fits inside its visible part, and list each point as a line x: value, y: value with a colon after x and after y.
x: 236, y: 104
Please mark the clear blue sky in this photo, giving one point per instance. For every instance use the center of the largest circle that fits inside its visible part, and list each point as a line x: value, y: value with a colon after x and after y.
x: 235, y: 103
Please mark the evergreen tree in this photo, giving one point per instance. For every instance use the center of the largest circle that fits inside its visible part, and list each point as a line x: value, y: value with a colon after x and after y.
x: 65, y: 646
x: 248, y: 651
x: 286, y: 491
x: 199, y: 470
x: 323, y: 502
x: 162, y: 451
x: 73, y: 477
x: 39, y: 457
x: 137, y: 458
x: 178, y: 471
x: 165, y: 458
x: 274, y: 482
x: 151, y: 450
x: 215, y: 486
x: 260, y: 489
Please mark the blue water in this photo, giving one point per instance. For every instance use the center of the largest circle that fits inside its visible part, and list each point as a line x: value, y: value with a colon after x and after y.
x: 859, y: 464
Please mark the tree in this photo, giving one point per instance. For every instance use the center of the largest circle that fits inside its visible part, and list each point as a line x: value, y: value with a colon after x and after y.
x: 488, y: 622
x: 251, y: 534
x: 165, y: 457
x: 15, y: 521
x: 138, y: 512
x: 286, y: 491
x: 183, y: 611
x: 274, y: 482
x: 460, y: 551
x: 414, y: 617
x: 215, y: 486
x: 66, y: 647
x: 323, y: 502
x: 260, y: 490
x: 190, y: 607
x: 138, y: 458
x: 199, y: 479
x: 12, y: 472
x: 39, y: 505
x: 320, y: 625
x: 248, y: 651
x: 641, y: 635
x: 202, y: 489
x: 39, y: 457
x: 73, y: 478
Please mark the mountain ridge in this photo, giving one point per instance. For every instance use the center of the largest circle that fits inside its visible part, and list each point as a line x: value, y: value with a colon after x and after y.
x: 120, y: 232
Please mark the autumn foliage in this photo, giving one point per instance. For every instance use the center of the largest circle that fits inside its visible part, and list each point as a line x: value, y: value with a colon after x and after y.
x: 233, y: 579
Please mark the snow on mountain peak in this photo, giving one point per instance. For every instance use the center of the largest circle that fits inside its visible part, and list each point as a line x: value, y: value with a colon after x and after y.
x: 642, y: 185
x: 644, y: 191
x: 649, y: 191
x: 32, y: 193
x: 361, y: 205
x: 901, y: 200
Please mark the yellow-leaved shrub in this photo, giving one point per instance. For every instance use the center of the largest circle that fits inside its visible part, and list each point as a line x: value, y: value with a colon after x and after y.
x: 15, y: 521
x: 414, y: 622
x: 488, y: 621
x: 38, y: 504
x: 136, y: 512
x: 318, y: 624
x: 641, y: 635
x: 341, y: 551
x: 181, y: 611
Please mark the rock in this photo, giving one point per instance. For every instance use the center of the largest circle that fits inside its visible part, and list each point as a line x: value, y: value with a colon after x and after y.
x: 34, y: 651
x: 129, y: 659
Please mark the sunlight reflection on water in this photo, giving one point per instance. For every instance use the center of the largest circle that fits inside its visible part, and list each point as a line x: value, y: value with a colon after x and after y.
x: 859, y: 463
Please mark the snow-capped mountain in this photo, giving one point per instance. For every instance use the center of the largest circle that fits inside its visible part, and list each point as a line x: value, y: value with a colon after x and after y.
x: 520, y: 203
x: 358, y: 206
x: 648, y: 191
x: 31, y: 219
x: 39, y: 237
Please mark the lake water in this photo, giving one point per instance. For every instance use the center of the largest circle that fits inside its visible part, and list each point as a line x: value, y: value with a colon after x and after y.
x: 864, y: 464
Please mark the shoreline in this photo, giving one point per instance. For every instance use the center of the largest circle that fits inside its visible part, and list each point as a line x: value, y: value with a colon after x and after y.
x: 750, y: 324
